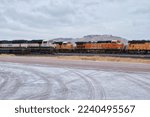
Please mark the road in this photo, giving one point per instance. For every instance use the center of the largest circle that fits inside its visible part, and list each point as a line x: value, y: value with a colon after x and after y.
x: 47, y: 78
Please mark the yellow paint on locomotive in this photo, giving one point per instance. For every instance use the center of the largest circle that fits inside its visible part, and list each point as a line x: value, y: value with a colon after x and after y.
x: 139, y: 46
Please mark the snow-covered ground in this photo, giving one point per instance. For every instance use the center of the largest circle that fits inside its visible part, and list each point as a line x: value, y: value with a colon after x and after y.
x: 33, y: 81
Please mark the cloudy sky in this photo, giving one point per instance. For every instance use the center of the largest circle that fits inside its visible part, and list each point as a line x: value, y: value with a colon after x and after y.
x: 49, y: 19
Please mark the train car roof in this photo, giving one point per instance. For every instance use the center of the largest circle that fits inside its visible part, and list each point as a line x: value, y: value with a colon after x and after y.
x: 5, y: 42
x: 104, y: 41
x: 81, y: 42
x: 35, y: 41
x: 58, y: 42
x: 138, y: 41
x: 93, y: 42
x: 19, y: 41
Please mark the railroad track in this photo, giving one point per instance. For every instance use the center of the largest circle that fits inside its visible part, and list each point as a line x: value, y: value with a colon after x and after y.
x: 106, y: 55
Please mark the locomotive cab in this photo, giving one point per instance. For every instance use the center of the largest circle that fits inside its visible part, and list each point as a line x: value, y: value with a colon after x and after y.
x: 44, y: 43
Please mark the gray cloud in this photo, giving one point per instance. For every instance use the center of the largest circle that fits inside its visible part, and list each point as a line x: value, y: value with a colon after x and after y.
x: 74, y: 18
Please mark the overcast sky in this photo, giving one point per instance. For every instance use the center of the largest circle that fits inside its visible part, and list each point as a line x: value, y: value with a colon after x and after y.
x: 34, y: 19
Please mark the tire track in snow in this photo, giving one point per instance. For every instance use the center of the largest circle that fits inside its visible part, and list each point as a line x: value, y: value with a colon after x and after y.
x: 139, y: 82
x: 99, y: 89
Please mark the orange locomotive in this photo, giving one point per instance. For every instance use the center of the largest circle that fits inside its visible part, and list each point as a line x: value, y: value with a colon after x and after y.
x: 63, y: 46
x: 100, y: 46
x: 139, y: 47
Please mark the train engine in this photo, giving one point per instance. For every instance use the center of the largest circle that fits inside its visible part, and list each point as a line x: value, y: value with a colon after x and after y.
x: 63, y: 47
x: 138, y: 47
x: 113, y: 46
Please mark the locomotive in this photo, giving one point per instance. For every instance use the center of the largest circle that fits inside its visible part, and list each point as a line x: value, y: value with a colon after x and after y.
x: 139, y: 47
x: 22, y: 43
x: 113, y: 46
x: 25, y: 47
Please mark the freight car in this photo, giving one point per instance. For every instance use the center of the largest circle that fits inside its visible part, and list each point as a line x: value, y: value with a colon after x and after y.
x: 113, y: 46
x: 139, y: 47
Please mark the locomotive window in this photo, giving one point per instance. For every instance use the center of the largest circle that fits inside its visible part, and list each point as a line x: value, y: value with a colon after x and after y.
x: 45, y: 42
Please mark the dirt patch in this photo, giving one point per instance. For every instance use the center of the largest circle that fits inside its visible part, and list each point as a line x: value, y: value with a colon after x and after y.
x: 100, y: 58
x: 6, y: 55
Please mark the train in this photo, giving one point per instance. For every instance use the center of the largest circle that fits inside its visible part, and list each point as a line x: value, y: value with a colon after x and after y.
x: 109, y: 46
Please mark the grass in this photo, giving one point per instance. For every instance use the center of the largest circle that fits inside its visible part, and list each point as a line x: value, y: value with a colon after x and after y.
x: 7, y: 55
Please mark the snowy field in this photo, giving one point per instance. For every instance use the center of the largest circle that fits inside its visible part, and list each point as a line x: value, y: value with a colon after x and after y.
x: 33, y: 81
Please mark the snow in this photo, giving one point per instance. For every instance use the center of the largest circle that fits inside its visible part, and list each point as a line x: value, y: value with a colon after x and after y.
x: 33, y: 81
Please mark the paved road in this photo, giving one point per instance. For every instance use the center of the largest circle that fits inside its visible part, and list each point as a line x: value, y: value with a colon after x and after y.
x: 46, y: 78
